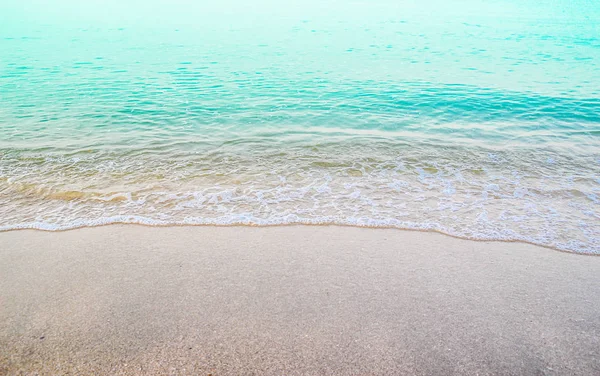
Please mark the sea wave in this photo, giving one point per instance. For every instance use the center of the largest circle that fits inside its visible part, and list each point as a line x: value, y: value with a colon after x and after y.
x: 536, y: 195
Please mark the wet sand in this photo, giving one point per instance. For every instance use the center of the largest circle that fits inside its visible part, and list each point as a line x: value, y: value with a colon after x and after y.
x: 300, y: 300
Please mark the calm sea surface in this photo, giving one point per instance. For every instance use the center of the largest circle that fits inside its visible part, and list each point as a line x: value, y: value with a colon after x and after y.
x: 479, y: 119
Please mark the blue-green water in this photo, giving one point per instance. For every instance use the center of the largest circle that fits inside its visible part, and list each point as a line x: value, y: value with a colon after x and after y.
x: 479, y: 119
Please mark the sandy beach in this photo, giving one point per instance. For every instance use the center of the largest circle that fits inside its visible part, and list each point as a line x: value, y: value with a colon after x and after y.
x: 127, y: 299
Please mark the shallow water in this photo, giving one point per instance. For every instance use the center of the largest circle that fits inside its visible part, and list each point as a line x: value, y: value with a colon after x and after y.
x: 480, y: 120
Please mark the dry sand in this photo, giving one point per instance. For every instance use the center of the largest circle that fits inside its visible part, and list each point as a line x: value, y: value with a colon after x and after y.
x: 292, y: 300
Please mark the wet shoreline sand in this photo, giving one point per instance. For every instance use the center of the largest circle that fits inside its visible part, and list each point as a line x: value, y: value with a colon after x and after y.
x: 126, y: 299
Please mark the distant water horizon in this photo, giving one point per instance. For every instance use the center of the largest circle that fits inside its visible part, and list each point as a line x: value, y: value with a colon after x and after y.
x: 480, y: 120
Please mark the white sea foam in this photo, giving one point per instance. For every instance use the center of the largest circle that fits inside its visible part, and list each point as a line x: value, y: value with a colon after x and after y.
x: 249, y: 220
x: 480, y: 202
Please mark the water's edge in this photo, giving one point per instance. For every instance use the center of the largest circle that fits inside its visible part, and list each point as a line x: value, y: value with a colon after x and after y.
x: 100, y: 223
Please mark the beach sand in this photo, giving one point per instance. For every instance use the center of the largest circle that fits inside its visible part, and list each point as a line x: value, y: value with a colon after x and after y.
x: 296, y: 300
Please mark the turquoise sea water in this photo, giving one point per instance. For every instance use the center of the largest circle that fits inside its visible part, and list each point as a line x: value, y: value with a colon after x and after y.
x: 479, y: 119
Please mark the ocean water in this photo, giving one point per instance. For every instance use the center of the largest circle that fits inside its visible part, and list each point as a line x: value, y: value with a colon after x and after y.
x: 478, y: 119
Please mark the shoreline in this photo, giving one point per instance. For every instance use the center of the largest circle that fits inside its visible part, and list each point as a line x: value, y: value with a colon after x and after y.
x: 241, y: 225
x: 293, y: 300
